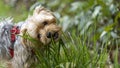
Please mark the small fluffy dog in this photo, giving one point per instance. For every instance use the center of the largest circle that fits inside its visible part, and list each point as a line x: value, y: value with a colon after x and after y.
x: 17, y: 49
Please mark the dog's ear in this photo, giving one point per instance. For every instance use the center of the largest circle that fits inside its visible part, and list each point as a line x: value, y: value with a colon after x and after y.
x: 38, y: 9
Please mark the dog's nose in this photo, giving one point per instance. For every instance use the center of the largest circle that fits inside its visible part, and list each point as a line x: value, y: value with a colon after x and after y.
x: 52, y: 35
x: 49, y: 35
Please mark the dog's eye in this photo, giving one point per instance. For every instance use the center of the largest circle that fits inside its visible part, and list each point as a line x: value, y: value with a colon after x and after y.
x: 38, y: 36
x: 45, y: 23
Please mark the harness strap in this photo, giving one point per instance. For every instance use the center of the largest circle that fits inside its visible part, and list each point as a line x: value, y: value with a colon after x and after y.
x: 15, y: 30
x: 11, y: 52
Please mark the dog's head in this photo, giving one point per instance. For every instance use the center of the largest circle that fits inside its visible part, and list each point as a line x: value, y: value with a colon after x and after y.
x: 42, y: 26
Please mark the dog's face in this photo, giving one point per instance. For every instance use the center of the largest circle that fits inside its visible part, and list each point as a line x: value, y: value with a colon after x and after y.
x: 42, y: 26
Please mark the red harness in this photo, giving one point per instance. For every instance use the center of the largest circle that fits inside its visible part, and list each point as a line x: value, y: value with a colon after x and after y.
x: 15, y: 30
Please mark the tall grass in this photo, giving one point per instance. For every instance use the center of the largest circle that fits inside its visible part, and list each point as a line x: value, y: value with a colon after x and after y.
x: 72, y: 52
x: 77, y: 49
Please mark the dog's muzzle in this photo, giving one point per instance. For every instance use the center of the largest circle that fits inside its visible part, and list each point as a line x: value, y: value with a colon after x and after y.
x: 54, y: 35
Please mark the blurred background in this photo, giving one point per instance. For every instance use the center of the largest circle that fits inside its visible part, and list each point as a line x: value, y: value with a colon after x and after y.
x: 96, y: 22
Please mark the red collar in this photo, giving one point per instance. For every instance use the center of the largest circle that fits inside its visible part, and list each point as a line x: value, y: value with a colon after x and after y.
x: 15, y: 30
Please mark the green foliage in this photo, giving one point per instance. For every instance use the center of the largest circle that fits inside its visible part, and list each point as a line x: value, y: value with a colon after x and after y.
x: 92, y: 25
x: 89, y: 27
x: 74, y: 54
x: 8, y: 11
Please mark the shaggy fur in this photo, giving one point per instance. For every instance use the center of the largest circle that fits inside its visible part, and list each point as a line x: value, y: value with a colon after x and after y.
x: 41, y: 26
x: 5, y: 43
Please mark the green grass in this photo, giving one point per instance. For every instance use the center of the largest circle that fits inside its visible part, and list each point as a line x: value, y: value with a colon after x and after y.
x: 7, y: 11
x: 72, y: 52
x: 81, y: 46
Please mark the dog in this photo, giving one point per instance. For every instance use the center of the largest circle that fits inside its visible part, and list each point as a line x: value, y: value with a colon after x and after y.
x: 18, y: 50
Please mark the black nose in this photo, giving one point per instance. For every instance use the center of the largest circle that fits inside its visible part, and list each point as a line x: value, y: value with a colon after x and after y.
x: 49, y: 35
x: 52, y: 35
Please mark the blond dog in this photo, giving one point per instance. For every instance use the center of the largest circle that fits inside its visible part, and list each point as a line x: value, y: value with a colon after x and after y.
x: 42, y: 27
